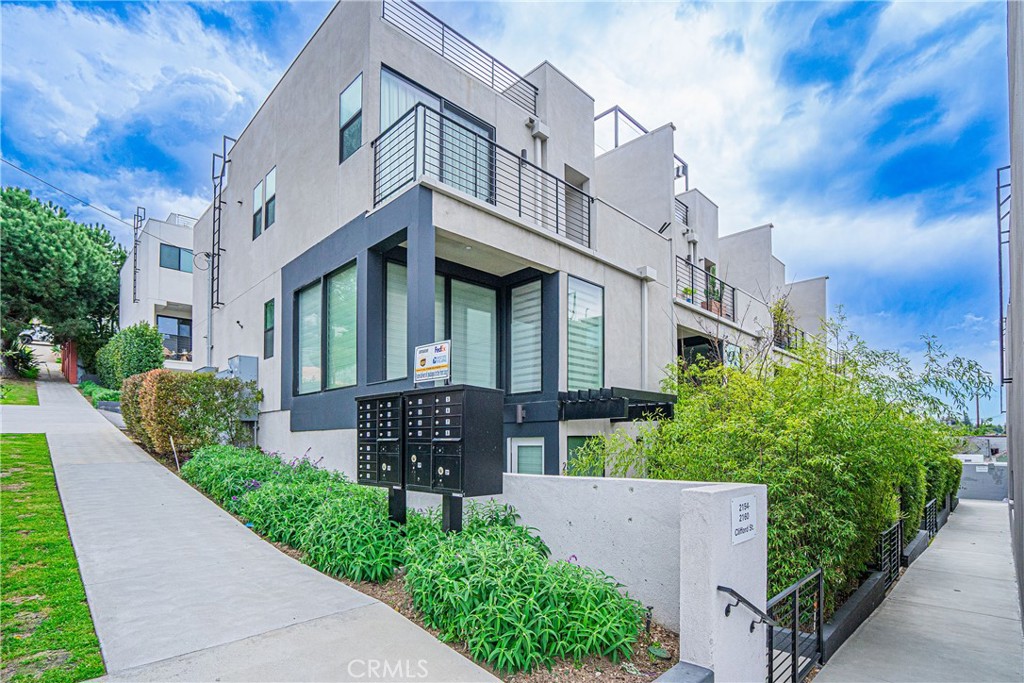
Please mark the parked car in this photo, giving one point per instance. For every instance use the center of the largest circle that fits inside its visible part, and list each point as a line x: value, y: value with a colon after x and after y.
x: 36, y: 333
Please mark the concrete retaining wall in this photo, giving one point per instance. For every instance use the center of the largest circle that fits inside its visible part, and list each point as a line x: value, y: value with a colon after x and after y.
x: 984, y: 481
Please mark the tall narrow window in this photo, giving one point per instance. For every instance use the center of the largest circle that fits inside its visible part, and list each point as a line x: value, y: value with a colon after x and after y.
x: 308, y: 357
x: 341, y: 328
x: 257, y: 210
x: 270, y: 215
x: 351, y: 122
x: 268, y: 329
x: 474, y: 326
x: 440, y: 308
x: 585, y: 363
x: 396, y: 332
x: 525, y: 349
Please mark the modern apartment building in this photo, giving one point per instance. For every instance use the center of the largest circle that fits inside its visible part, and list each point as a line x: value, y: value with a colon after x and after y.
x: 156, y: 284
x: 1011, y: 253
x: 401, y: 186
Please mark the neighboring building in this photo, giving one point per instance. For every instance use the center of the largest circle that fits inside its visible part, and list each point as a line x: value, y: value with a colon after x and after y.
x: 400, y: 186
x: 1013, y: 329
x: 156, y: 285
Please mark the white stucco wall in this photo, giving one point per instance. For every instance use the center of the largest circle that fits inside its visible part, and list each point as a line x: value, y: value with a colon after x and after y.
x: 157, y: 287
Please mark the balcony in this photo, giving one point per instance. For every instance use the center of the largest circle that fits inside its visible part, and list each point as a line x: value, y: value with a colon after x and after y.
x: 424, y: 142
x: 460, y: 51
x: 698, y: 287
x: 682, y: 212
x: 788, y: 337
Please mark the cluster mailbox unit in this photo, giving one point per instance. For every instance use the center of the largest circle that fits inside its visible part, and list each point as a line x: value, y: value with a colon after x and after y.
x: 452, y: 438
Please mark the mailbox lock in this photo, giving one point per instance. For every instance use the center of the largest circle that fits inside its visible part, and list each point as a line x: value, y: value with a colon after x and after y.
x: 440, y: 470
x: 413, y: 458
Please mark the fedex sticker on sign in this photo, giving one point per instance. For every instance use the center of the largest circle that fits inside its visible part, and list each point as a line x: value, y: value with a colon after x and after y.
x: 433, y: 362
x: 744, y: 519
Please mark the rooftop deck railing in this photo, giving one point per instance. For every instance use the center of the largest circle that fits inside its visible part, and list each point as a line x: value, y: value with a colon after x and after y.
x: 460, y: 51
x: 425, y: 142
x: 697, y: 286
x: 682, y: 212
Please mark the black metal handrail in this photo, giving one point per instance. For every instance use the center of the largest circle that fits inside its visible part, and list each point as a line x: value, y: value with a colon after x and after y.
x: 1003, y: 206
x: 460, y: 51
x: 425, y: 142
x: 740, y: 600
x: 890, y: 548
x: 796, y: 641
x: 682, y: 212
x: 929, y: 522
x: 697, y: 286
x: 788, y: 337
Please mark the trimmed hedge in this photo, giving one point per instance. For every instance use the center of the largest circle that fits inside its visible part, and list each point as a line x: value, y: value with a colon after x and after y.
x: 193, y: 409
x: 96, y: 393
x: 491, y: 586
x: 134, y: 349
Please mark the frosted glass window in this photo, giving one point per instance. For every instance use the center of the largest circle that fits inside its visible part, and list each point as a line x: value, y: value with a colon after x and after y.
x: 308, y: 350
x: 585, y: 335
x: 396, y: 330
x: 341, y: 328
x: 440, y: 311
x: 525, y: 351
x: 474, y: 325
x: 529, y: 458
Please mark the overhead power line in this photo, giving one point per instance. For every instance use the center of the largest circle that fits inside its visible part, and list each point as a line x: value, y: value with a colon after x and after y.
x: 77, y: 199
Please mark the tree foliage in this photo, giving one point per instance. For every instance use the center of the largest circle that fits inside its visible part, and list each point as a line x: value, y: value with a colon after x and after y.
x: 847, y: 443
x: 64, y: 273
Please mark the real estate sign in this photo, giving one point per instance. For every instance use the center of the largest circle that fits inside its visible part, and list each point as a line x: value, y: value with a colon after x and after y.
x: 433, y: 362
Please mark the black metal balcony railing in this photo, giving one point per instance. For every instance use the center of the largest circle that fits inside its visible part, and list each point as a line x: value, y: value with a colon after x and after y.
x: 788, y: 337
x: 424, y: 142
x: 1003, y: 205
x: 460, y: 51
x: 682, y: 212
x: 177, y: 347
x: 796, y: 632
x: 697, y: 286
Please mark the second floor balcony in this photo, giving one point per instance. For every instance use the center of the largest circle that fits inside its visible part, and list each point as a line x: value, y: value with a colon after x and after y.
x: 788, y: 337
x: 696, y: 286
x: 426, y: 143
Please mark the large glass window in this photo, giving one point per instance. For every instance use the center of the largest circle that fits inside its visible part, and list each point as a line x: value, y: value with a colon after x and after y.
x: 525, y: 349
x: 585, y: 363
x: 175, y: 258
x: 397, y: 96
x: 268, y: 329
x: 474, y: 326
x: 351, y: 121
x: 271, y: 203
x: 341, y: 328
x: 177, y: 337
x: 307, y: 370
x: 396, y: 331
x: 466, y: 152
x: 257, y: 210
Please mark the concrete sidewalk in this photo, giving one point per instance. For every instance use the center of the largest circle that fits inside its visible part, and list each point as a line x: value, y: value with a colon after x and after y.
x: 179, y: 590
x: 952, y: 617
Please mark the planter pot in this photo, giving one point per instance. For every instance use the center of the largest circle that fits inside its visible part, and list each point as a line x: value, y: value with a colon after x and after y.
x: 852, y: 614
x: 713, y: 306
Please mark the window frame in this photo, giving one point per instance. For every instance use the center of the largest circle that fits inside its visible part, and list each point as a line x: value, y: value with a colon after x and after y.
x: 269, y: 306
x: 511, y: 288
x: 296, y: 350
x: 269, y: 200
x: 604, y: 328
x: 388, y: 263
x: 181, y: 251
x: 257, y: 209
x: 325, y: 322
x: 513, y: 453
x: 353, y: 120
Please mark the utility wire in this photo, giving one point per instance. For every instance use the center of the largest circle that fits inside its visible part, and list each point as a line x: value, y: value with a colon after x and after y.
x: 77, y: 199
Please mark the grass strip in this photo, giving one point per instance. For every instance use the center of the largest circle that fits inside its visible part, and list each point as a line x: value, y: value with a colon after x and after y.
x: 14, y: 392
x: 47, y: 629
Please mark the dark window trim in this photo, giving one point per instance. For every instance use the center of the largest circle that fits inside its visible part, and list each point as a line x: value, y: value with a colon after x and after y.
x: 446, y: 104
x: 179, y: 251
x: 267, y: 200
x: 350, y: 121
x: 271, y: 329
x: 508, y: 380
x: 384, y: 327
x: 325, y: 320
x: 604, y: 328
x: 297, y: 367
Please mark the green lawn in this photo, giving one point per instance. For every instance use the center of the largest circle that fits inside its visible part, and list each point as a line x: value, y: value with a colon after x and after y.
x: 18, y: 392
x: 44, y: 619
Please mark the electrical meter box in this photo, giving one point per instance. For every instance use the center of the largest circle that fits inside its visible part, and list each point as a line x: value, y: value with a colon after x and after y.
x: 379, y: 458
x: 454, y: 440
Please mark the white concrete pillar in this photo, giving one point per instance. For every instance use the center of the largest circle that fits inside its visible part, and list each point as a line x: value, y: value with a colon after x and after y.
x: 716, y: 550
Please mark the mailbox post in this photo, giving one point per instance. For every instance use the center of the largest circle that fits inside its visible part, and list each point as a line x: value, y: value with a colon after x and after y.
x: 379, y: 457
x: 446, y: 440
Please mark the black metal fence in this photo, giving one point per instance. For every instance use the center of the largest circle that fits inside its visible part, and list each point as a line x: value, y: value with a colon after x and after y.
x: 890, y: 548
x: 796, y: 641
x: 929, y: 522
x: 697, y: 286
x: 425, y: 142
x: 682, y: 212
x: 788, y: 337
x: 460, y: 51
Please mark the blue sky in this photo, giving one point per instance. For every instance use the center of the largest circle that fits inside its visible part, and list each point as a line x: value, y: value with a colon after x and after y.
x: 868, y: 133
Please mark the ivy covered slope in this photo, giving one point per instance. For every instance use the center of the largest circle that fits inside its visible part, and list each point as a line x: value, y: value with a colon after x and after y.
x: 491, y: 586
x: 847, y: 444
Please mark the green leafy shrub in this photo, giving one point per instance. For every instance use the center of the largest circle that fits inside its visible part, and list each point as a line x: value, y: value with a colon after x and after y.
x: 131, y: 409
x: 19, y: 357
x: 194, y: 409
x: 491, y: 586
x: 97, y: 393
x: 133, y: 350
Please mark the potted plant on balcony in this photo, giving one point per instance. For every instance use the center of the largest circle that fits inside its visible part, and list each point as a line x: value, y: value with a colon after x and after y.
x: 713, y: 293
x: 688, y: 294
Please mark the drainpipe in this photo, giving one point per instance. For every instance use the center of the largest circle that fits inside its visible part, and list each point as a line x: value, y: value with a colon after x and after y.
x: 647, y: 275
x: 209, y: 310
